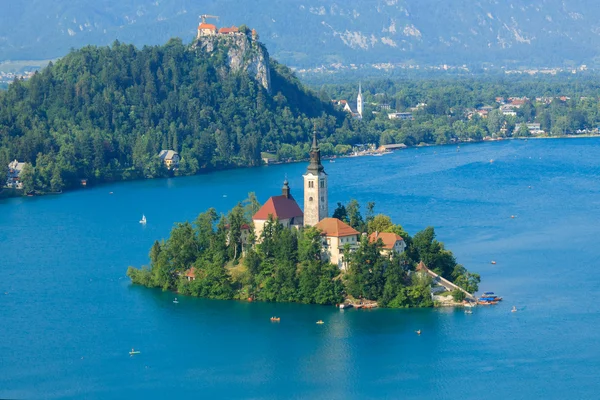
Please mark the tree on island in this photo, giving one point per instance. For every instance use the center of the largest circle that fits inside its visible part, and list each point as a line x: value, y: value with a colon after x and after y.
x: 286, y: 265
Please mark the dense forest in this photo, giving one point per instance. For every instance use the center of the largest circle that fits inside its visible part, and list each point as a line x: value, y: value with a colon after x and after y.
x: 285, y: 265
x: 104, y: 113
x: 445, y: 110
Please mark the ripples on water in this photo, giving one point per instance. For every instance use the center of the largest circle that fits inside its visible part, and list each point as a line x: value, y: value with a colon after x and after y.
x: 63, y: 261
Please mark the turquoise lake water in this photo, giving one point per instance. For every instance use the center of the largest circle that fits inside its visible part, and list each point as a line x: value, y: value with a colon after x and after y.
x: 69, y: 316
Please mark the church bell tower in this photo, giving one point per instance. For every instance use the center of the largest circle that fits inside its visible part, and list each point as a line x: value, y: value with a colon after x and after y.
x: 359, y: 101
x: 315, y: 188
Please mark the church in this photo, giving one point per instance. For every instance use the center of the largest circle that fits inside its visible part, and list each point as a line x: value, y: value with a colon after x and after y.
x: 335, y: 233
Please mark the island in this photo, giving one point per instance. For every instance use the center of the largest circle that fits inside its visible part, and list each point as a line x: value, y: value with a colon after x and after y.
x: 279, y: 253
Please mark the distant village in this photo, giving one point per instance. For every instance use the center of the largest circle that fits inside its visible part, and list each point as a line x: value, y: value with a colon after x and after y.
x: 8, y: 77
x: 507, y: 107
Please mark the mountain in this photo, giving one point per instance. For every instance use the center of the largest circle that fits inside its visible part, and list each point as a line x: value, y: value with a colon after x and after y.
x: 314, y: 32
x: 105, y: 113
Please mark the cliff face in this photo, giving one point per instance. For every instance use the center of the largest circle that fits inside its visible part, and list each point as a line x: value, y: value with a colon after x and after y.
x: 243, y: 54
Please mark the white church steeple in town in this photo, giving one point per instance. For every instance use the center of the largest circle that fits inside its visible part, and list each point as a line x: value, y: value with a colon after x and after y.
x: 359, y: 101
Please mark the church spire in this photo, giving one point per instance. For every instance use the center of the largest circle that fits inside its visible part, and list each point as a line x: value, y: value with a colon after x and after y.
x: 315, y: 165
x: 359, y: 101
x: 286, y: 189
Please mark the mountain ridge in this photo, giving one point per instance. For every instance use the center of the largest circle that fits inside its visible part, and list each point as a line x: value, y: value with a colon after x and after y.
x: 314, y: 32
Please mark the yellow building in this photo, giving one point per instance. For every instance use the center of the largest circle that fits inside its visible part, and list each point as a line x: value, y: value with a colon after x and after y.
x: 391, y: 242
x: 336, y: 235
x: 170, y: 158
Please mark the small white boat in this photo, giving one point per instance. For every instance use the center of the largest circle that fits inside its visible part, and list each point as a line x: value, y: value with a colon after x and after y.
x: 175, y: 301
x: 514, y: 309
x: 468, y: 311
x: 143, y: 220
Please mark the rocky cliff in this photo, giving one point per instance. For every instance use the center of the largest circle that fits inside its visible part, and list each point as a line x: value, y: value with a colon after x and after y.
x: 242, y: 52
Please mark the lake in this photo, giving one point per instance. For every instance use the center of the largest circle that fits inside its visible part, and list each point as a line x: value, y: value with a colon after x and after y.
x: 69, y: 315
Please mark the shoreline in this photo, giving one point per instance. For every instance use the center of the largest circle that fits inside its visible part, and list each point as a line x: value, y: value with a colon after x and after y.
x: 8, y: 193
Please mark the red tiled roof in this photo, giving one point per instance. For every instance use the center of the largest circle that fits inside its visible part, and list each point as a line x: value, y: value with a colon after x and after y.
x: 389, y: 239
x: 279, y: 207
x: 207, y: 26
x: 336, y: 228
x: 233, y: 29
x: 191, y: 273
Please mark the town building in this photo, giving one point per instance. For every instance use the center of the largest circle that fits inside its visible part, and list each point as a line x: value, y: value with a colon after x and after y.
x: 392, y: 242
x: 359, y: 101
x: 229, y: 31
x: 13, y: 179
x: 336, y: 236
x: 391, y: 147
x: 170, y: 158
x: 283, y: 208
x: 315, y: 188
x: 401, y: 116
x: 205, y: 29
x: 190, y: 274
x: 345, y: 105
x: 534, y: 128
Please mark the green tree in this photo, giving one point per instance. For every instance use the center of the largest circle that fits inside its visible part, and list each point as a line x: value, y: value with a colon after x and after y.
x: 27, y: 178
x: 340, y: 212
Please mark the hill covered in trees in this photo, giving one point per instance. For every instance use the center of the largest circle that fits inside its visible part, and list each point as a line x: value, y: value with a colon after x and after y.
x: 104, y: 113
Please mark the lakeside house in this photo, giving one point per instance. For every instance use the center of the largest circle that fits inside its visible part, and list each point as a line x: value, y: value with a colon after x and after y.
x: 336, y: 236
x: 534, y: 128
x: 391, y: 147
x: 13, y: 179
x: 170, y: 158
x: 392, y: 242
x: 190, y: 274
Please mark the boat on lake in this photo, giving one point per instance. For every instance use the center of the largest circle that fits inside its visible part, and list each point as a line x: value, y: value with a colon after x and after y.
x: 143, y: 220
x: 488, y: 298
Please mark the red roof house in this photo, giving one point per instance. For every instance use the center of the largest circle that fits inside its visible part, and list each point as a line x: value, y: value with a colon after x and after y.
x: 228, y: 31
x: 284, y: 208
x: 333, y: 227
x: 391, y: 241
x: 190, y: 274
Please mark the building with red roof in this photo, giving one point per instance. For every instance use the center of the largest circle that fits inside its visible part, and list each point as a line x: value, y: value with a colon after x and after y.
x: 205, y: 29
x: 229, y: 31
x: 283, y: 208
x: 336, y: 235
x: 190, y: 274
x: 391, y: 242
